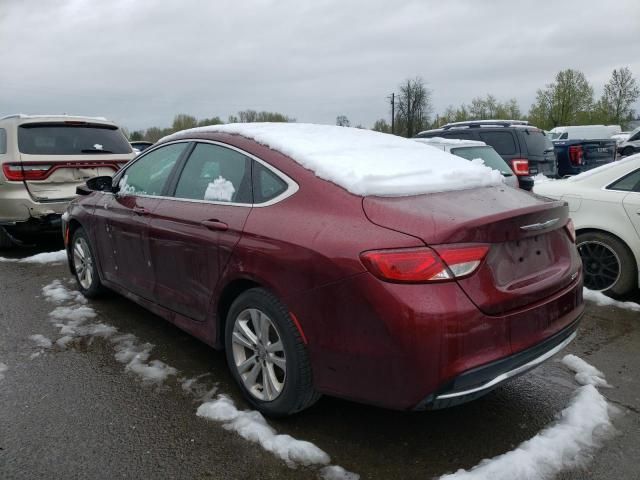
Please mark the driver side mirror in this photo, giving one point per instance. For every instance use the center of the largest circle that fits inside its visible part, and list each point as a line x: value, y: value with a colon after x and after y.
x: 102, y: 183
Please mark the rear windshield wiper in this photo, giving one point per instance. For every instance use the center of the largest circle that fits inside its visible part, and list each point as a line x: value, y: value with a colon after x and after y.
x: 95, y: 150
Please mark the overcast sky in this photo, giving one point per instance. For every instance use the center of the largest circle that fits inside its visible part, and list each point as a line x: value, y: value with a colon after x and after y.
x: 139, y: 62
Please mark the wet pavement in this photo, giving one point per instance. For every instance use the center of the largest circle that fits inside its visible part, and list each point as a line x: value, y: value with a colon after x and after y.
x: 76, y: 413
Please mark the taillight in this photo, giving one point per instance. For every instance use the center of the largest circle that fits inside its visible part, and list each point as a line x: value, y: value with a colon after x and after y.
x: 420, y: 265
x: 576, y: 155
x: 571, y: 230
x: 18, y: 172
x: 520, y: 166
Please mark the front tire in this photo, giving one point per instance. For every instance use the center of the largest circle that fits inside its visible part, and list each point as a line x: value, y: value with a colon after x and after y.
x: 608, y: 264
x: 84, y: 265
x: 267, y: 355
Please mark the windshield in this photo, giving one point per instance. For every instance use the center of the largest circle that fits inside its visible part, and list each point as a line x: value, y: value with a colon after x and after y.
x: 556, y: 135
x: 63, y: 139
x: 487, y: 154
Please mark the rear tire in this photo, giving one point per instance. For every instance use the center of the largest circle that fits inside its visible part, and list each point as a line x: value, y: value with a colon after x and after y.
x: 6, y: 241
x: 609, y: 265
x: 84, y: 265
x: 267, y: 355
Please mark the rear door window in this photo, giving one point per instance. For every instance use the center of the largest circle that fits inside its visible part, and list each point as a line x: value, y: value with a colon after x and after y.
x: 501, y: 141
x: 216, y: 174
x: 3, y: 141
x: 71, y: 139
x: 149, y: 174
x: 537, y: 142
x: 629, y: 183
x: 461, y: 134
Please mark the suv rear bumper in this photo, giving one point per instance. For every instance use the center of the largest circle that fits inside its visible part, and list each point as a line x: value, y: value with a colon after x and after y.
x: 479, y: 381
x: 17, y: 206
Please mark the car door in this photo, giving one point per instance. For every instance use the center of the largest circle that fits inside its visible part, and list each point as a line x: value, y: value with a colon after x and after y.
x: 631, y: 201
x: 122, y: 219
x: 192, y: 234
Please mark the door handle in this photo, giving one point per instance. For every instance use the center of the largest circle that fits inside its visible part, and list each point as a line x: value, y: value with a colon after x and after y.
x: 140, y: 211
x: 214, y: 225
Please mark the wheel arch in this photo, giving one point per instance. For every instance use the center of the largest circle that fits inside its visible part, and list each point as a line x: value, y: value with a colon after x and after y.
x: 232, y: 290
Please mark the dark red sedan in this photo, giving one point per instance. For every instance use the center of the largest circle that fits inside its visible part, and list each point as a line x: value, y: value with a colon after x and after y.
x: 329, y: 260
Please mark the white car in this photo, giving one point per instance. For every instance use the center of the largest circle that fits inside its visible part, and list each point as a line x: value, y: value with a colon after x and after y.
x: 472, y: 149
x: 604, y: 204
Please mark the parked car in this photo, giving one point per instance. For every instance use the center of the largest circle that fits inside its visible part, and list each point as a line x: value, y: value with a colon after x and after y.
x: 621, y: 137
x: 471, y: 150
x: 333, y: 260
x: 140, y: 145
x: 583, y: 147
x: 526, y: 148
x: 631, y: 145
x: 584, y: 132
x: 44, y: 158
x: 605, y: 208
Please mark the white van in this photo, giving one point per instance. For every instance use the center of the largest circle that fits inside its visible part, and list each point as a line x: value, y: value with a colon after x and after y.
x: 584, y: 132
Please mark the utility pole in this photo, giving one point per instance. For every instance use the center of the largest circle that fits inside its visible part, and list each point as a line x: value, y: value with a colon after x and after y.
x: 393, y: 113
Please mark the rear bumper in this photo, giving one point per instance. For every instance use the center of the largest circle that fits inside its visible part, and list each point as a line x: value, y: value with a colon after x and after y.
x: 479, y: 381
x: 17, y: 206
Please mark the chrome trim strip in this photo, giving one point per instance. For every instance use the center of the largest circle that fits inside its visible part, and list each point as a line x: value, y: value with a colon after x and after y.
x: 511, y: 373
x: 540, y: 226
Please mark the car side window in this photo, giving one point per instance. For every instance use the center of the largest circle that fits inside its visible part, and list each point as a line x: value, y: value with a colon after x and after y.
x: 149, y: 174
x: 629, y: 183
x: 502, y: 142
x: 217, y: 174
x: 461, y: 135
x: 3, y: 141
x: 266, y: 184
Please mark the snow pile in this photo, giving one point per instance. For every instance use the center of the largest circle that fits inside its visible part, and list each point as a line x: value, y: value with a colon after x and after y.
x: 57, y: 293
x: 136, y: 358
x: 252, y: 426
x: 3, y: 368
x: 542, y: 178
x: 566, y: 444
x: 586, y: 374
x: 220, y: 189
x: 41, y: 258
x: 41, y: 340
x: 196, y: 388
x: 603, y: 301
x: 366, y: 162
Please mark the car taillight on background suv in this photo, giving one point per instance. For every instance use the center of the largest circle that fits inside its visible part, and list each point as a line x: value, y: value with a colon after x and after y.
x: 576, y: 155
x: 520, y: 166
x: 17, y: 172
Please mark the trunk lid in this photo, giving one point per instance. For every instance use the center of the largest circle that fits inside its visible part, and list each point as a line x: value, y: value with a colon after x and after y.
x: 598, y: 152
x: 531, y: 254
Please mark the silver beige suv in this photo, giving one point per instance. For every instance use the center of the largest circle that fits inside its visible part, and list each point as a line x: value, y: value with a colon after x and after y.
x: 43, y: 160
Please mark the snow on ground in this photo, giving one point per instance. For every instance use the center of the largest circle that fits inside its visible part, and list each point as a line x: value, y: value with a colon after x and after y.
x: 567, y: 444
x: 366, y: 162
x: 542, y: 178
x: 41, y: 340
x: 603, y: 301
x: 586, y: 374
x: 3, y: 368
x: 252, y: 426
x: 42, y: 258
x: 72, y: 317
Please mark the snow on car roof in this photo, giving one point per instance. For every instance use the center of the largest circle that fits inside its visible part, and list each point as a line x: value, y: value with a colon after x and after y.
x: 365, y: 162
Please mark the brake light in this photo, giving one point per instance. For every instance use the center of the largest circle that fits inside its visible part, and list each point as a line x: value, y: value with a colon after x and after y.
x: 18, y: 172
x: 571, y: 230
x: 576, y: 155
x: 421, y: 265
x: 520, y: 166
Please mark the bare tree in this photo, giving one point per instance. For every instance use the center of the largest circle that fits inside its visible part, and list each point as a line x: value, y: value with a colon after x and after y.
x: 414, y: 107
x: 342, y: 121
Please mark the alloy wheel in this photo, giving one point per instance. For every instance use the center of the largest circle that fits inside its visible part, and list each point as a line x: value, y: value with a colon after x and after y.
x: 601, y: 265
x: 258, y: 354
x: 83, y: 262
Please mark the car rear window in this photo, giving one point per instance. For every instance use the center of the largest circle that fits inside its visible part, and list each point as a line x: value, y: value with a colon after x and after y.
x: 487, y: 154
x: 63, y: 139
x: 502, y: 141
x: 537, y: 142
x: 3, y: 141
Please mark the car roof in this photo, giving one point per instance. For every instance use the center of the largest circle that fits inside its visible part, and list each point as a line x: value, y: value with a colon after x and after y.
x: 451, y: 142
x: 22, y: 118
